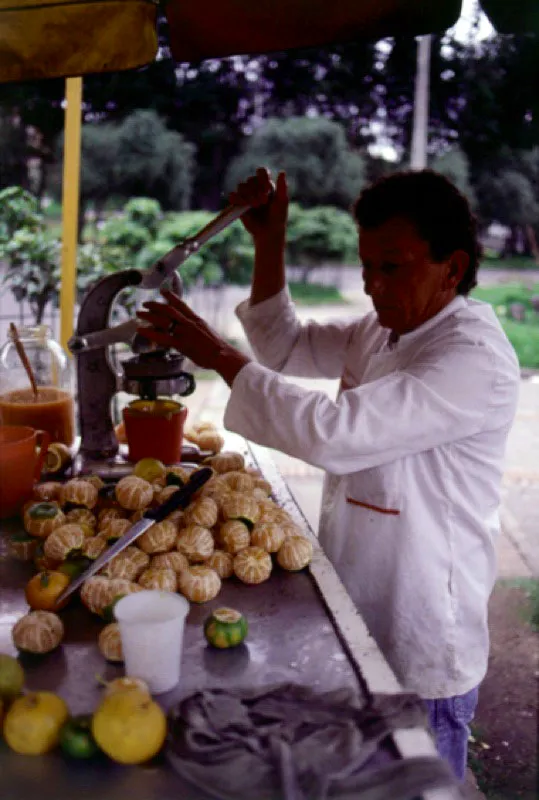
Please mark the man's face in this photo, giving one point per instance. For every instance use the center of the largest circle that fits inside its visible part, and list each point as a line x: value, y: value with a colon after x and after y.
x: 406, y: 286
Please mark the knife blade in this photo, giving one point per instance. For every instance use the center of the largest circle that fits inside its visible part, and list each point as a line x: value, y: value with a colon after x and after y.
x: 179, y: 499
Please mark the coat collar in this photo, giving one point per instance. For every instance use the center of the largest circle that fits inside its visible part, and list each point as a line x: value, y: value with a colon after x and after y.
x: 455, y: 304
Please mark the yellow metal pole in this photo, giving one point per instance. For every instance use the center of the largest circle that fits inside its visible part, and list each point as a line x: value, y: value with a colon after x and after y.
x: 70, y: 207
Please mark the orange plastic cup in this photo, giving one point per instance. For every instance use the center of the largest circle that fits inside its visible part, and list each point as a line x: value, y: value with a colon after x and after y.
x: 154, y: 429
x: 21, y: 463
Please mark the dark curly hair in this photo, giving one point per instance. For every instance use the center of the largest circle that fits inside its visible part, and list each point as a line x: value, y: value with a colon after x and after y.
x: 439, y: 211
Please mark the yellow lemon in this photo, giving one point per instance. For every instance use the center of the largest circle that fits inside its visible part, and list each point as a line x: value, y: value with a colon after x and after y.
x: 32, y: 724
x: 11, y: 677
x: 126, y: 684
x: 150, y: 469
x: 58, y: 458
x: 129, y: 727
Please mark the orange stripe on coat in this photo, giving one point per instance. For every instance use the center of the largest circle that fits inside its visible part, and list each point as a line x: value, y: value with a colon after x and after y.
x: 394, y: 511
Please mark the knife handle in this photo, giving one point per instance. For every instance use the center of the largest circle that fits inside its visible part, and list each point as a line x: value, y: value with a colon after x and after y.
x: 182, y: 497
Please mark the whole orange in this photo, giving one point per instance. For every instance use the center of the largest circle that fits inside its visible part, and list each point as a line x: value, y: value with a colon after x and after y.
x: 42, y: 591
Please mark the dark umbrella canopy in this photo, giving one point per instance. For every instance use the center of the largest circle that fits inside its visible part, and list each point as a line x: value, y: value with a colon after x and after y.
x: 55, y: 38
x: 215, y: 28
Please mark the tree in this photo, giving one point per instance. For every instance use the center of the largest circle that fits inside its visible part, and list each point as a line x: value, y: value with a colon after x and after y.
x: 321, y: 168
x: 137, y: 157
x: 153, y: 161
x: 13, y: 152
x: 507, y: 196
x: 99, y: 149
x: 499, y: 99
x: 335, y: 82
x: 454, y: 165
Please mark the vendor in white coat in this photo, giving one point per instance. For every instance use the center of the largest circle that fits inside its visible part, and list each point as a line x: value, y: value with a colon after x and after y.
x: 413, y: 447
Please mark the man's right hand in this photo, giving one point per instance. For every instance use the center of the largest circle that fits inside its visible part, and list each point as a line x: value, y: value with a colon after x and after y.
x: 266, y: 219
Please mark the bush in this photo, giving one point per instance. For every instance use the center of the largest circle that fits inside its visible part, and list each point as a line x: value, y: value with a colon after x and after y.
x: 227, y: 258
x: 123, y: 232
x: 32, y: 254
x: 320, y: 236
x: 144, y: 211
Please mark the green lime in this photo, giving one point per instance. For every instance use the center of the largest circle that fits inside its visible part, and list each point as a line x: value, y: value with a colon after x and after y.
x: 43, y: 511
x: 173, y: 479
x: 108, y: 612
x: 74, y: 567
x: 76, y: 738
x: 225, y: 628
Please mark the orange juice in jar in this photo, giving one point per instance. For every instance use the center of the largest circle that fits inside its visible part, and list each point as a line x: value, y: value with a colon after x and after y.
x: 53, y: 410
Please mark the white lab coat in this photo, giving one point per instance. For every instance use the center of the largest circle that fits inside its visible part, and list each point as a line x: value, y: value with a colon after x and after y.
x: 414, y: 450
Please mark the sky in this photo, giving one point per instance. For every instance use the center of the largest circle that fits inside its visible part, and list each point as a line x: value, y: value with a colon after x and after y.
x: 463, y: 28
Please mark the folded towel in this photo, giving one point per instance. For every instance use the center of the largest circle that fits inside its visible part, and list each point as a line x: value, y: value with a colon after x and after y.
x: 287, y: 742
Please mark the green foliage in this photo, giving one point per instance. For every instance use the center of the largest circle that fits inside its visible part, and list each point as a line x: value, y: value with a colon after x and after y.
x: 18, y: 209
x: 144, y: 211
x: 507, y: 196
x: 31, y: 254
x: 513, y: 262
x: 321, y: 167
x: 99, y: 151
x: 13, y: 151
x: 154, y: 161
x: 123, y: 232
x: 96, y: 261
x: 318, y: 236
x: 139, y: 156
x: 504, y: 294
x: 226, y: 258
x: 524, y: 336
x: 314, y: 294
x: 455, y: 166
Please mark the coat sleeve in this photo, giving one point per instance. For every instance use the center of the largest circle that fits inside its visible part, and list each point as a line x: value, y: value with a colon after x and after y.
x: 283, y: 344
x: 444, y: 396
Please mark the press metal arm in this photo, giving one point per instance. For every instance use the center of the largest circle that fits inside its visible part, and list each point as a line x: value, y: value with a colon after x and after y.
x: 161, y: 271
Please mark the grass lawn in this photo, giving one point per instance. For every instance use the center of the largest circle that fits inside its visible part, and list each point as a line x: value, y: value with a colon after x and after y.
x: 315, y: 294
x: 524, y: 336
x: 513, y: 262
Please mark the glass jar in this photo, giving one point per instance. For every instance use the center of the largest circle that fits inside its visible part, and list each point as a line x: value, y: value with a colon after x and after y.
x: 53, y: 410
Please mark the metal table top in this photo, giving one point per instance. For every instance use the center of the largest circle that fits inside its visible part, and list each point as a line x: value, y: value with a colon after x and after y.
x: 292, y: 637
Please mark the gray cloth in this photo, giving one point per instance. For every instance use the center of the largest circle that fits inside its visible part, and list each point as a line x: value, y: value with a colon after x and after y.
x: 288, y: 743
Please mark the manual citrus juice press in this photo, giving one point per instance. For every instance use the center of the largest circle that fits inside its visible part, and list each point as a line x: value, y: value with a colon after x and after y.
x: 154, y: 376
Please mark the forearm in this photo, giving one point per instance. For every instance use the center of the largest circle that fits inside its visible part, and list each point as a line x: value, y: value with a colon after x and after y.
x: 229, y: 362
x: 269, y: 276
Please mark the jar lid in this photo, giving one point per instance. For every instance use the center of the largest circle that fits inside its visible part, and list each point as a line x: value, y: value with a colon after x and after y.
x: 31, y: 332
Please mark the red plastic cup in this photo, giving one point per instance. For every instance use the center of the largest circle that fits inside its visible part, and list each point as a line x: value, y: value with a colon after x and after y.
x: 154, y: 429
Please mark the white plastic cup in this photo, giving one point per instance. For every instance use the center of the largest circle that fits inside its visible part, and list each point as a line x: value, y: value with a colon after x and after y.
x: 151, y: 628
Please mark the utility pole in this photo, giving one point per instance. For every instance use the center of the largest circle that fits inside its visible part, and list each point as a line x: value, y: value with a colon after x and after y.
x: 418, y: 156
